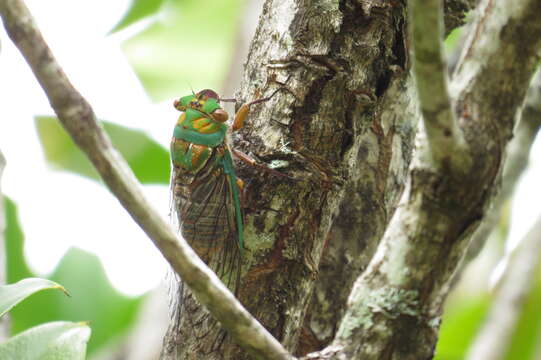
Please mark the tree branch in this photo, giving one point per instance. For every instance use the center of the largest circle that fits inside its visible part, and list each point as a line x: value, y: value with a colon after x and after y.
x: 446, y: 143
x: 79, y: 120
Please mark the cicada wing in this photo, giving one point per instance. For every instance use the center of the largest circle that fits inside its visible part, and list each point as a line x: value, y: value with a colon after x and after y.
x: 205, y: 210
x: 206, y: 214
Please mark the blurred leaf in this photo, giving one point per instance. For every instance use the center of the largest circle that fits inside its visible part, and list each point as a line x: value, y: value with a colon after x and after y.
x: 11, y: 295
x: 461, y: 321
x: 139, y: 9
x: 16, y: 267
x: 191, y: 47
x: 528, y: 331
x: 53, y: 341
x: 452, y: 39
x: 464, y: 318
x: 92, y: 299
x: 92, y: 296
x: 148, y: 160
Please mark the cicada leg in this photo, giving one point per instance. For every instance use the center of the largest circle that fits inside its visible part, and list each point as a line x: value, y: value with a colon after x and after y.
x: 241, y: 115
x: 240, y: 186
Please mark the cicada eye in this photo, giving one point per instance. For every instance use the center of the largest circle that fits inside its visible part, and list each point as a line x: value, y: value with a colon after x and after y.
x: 220, y: 115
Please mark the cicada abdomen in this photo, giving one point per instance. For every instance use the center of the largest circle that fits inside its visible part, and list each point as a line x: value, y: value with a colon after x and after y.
x: 204, y: 203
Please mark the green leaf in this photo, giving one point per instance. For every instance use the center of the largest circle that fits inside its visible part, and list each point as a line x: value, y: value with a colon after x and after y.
x: 452, y: 39
x: 53, y: 341
x: 191, y: 47
x: 148, y: 159
x: 11, y: 295
x: 462, y: 320
x: 16, y: 266
x: 92, y: 299
x: 525, y: 341
x: 139, y: 9
x: 92, y: 296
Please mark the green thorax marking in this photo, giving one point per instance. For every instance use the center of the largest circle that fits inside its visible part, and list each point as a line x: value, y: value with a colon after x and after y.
x: 185, y: 130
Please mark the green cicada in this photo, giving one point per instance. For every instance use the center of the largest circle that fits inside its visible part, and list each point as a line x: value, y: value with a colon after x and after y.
x: 206, y: 205
x: 206, y: 191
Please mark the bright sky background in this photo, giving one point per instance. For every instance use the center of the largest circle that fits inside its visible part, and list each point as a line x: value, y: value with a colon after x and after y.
x: 59, y: 210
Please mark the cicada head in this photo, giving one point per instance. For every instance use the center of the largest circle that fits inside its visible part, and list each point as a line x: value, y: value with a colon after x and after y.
x: 205, y: 101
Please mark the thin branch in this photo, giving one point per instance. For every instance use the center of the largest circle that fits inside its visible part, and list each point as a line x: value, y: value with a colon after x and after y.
x: 446, y: 143
x: 494, y: 339
x: 79, y: 120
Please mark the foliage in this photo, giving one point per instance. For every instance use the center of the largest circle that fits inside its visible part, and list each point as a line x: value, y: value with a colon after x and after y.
x: 190, y: 46
x: 93, y: 298
x: 138, y: 10
x: 148, y: 160
x: 57, y: 340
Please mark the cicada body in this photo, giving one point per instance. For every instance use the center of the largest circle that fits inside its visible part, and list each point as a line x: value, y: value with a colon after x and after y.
x: 206, y: 194
x: 207, y: 208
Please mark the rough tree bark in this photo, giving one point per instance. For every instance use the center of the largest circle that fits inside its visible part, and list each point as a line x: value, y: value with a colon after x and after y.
x: 343, y: 127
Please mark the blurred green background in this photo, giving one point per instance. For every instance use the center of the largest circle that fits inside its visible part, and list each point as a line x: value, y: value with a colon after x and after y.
x: 178, y: 45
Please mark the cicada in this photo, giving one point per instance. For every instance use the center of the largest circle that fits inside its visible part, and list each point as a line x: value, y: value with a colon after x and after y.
x: 206, y: 190
x: 206, y: 203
